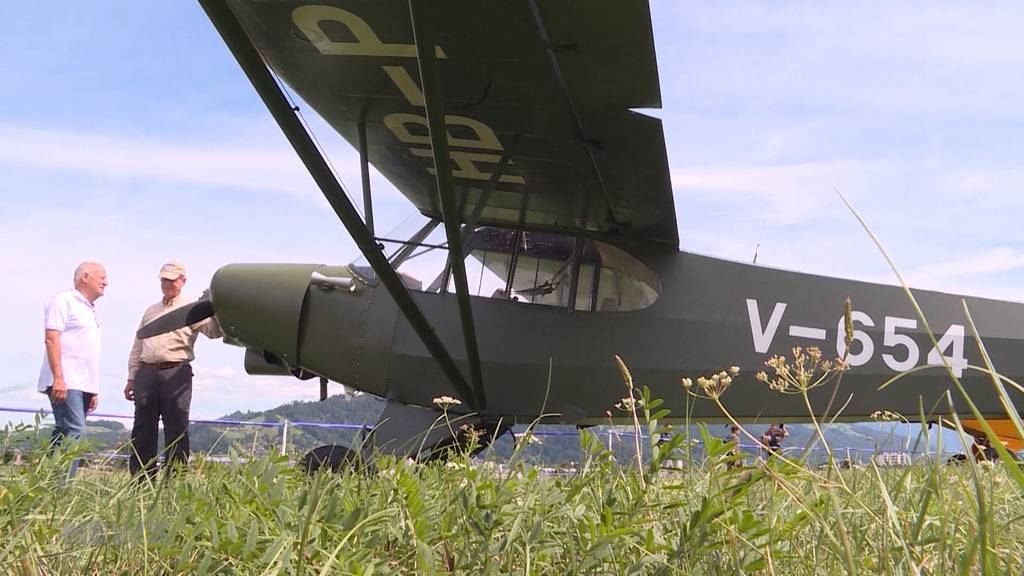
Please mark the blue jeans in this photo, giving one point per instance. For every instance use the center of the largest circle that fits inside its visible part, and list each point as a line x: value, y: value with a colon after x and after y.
x: 69, y: 420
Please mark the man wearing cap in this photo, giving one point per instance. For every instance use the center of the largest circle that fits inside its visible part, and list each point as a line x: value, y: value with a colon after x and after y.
x: 160, y: 378
x: 70, y: 374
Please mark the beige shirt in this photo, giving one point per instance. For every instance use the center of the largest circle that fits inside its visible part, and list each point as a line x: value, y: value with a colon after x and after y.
x: 175, y: 346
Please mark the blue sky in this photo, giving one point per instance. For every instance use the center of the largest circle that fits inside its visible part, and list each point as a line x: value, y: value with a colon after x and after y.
x: 130, y: 136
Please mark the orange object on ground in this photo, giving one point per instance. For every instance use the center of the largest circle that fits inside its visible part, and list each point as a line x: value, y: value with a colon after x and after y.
x: 1004, y: 429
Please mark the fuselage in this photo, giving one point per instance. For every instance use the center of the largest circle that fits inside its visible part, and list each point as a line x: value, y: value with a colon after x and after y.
x: 709, y: 315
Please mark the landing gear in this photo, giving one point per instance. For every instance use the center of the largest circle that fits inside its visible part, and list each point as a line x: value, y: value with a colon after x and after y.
x: 333, y: 457
x: 957, y: 459
x: 470, y: 439
x: 422, y: 434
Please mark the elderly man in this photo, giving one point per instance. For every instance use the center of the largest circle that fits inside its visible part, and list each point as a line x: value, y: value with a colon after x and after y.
x: 160, y: 378
x: 70, y: 374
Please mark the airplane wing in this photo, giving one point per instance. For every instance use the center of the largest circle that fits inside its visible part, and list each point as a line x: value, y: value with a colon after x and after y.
x: 538, y: 96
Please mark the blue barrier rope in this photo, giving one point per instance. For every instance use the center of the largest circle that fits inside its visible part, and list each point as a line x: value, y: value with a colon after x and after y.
x: 327, y: 425
x: 203, y: 421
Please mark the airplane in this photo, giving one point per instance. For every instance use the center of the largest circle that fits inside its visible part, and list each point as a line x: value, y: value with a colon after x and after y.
x: 513, y: 127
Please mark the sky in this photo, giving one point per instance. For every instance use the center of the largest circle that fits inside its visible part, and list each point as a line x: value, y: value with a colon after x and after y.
x: 130, y: 136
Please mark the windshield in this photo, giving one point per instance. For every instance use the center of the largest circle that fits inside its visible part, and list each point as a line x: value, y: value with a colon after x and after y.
x: 529, y: 267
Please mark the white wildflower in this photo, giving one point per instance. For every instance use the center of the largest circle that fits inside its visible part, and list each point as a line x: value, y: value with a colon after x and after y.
x: 447, y: 401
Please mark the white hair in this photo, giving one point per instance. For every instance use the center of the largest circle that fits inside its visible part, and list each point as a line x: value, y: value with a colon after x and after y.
x: 87, y: 267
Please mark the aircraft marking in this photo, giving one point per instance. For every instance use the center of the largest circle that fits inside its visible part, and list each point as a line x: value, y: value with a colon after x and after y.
x: 367, y: 43
x: 485, y: 139
x: 413, y: 95
x: 467, y: 165
x: 805, y: 332
x: 901, y: 351
x: 763, y: 337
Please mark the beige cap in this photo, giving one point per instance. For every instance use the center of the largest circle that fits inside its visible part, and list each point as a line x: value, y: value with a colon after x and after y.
x: 172, y: 270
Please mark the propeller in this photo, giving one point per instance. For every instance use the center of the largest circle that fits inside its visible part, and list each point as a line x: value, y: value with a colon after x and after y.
x: 187, y: 315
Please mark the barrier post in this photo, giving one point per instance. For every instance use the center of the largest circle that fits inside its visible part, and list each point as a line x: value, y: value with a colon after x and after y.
x: 284, y: 437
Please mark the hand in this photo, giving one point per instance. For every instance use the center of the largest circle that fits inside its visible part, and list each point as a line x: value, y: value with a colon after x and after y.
x: 58, y: 391
x: 93, y: 403
x: 129, y: 390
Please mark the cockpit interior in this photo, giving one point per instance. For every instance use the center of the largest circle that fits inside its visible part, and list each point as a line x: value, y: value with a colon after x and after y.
x: 529, y: 267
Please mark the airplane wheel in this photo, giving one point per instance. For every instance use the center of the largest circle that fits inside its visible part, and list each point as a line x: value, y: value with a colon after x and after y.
x: 333, y: 457
x: 957, y: 459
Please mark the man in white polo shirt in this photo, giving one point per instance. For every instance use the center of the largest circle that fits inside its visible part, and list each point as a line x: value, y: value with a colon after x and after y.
x: 70, y: 375
x: 160, y: 378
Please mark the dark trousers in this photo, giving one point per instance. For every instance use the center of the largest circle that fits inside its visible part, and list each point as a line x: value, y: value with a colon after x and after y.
x: 165, y: 394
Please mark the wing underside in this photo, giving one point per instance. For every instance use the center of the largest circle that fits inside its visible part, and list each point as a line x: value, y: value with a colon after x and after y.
x: 538, y: 97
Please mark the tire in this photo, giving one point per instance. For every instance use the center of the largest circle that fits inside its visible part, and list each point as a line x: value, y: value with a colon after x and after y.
x: 333, y: 457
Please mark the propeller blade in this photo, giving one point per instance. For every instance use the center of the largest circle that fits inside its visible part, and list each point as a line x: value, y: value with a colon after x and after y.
x: 187, y: 315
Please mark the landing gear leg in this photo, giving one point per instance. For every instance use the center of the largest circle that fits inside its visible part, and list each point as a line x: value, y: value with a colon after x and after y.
x: 422, y: 434
x: 425, y: 434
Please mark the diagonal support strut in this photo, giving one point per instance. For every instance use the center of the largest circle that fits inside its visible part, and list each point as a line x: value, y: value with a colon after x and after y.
x: 248, y: 57
x: 431, y: 87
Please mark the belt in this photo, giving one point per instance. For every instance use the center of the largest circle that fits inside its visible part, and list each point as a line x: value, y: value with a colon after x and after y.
x: 164, y: 365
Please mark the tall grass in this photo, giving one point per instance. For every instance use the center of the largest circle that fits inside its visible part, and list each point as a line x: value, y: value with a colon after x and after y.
x: 265, y: 517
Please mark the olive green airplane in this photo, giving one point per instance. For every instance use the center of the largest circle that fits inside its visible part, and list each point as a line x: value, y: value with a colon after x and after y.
x: 512, y: 125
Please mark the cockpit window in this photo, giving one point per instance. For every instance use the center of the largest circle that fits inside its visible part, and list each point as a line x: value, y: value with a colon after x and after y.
x: 624, y: 283
x: 542, y: 267
x: 532, y: 267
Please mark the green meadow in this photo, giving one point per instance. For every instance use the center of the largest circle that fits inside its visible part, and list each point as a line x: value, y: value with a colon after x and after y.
x: 706, y: 516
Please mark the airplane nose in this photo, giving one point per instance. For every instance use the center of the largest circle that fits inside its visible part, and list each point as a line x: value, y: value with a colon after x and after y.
x: 309, y: 317
x: 259, y: 305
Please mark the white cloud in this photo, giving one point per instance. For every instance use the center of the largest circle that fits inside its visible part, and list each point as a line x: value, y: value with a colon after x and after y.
x: 215, y: 397
x: 1000, y: 259
x: 212, y: 163
x: 778, y: 194
x: 949, y: 228
x: 204, y: 373
x: 993, y: 185
x: 215, y: 392
x: 877, y: 56
x: 23, y: 395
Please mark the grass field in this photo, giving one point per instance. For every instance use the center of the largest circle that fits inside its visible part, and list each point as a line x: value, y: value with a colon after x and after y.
x: 711, y: 514
x: 266, y: 517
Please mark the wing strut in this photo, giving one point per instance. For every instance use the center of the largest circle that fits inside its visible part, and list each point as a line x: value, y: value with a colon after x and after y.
x: 492, y: 183
x: 474, y: 217
x: 364, y: 170
x: 574, y: 284
x: 431, y: 86
x: 252, y: 64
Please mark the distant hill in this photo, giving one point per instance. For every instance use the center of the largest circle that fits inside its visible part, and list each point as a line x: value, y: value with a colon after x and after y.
x: 359, y: 410
x: 558, y: 444
x: 855, y: 441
